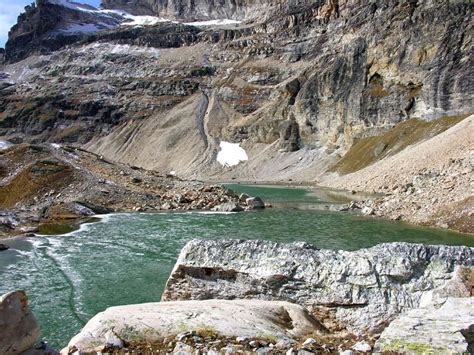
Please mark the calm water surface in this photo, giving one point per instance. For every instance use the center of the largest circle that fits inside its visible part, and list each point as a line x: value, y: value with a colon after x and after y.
x: 127, y: 258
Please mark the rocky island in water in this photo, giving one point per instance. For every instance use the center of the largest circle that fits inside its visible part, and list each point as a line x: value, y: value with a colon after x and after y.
x: 250, y: 177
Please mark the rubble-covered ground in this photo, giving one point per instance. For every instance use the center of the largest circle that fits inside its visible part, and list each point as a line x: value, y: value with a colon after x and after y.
x: 45, y: 185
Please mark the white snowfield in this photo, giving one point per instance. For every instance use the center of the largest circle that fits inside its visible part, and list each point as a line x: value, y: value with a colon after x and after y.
x: 142, y: 20
x: 231, y: 154
x: 221, y: 22
x: 126, y: 18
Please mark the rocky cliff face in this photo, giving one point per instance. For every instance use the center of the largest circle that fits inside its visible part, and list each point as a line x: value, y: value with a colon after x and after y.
x: 295, y: 85
x: 188, y: 9
x: 357, y: 292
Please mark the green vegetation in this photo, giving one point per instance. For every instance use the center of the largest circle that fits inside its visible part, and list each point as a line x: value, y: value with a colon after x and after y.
x: 206, y: 331
x: 399, y: 345
x: 367, y: 151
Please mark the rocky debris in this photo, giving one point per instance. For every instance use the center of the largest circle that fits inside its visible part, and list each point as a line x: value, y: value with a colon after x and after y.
x: 362, y: 346
x: 186, y: 326
x: 48, y: 184
x: 244, y: 203
x: 356, y: 292
x: 435, y: 329
x: 428, y: 183
x: 18, y: 328
x: 4, y: 247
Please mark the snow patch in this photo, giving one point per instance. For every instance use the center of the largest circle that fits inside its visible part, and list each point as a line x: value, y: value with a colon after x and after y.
x: 5, y: 144
x: 141, y: 20
x: 231, y: 154
x: 56, y: 145
x: 220, y: 22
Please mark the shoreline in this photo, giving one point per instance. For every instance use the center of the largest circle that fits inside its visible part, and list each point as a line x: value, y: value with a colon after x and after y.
x: 77, y: 224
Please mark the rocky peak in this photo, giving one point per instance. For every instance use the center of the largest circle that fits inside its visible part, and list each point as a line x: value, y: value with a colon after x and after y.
x: 51, y: 24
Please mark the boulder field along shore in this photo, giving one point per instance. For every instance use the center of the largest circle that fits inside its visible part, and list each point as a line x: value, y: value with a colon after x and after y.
x: 236, y: 296
x: 47, y: 187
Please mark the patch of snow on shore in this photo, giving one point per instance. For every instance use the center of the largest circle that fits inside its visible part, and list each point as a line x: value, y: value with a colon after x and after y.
x: 231, y: 154
x: 213, y: 23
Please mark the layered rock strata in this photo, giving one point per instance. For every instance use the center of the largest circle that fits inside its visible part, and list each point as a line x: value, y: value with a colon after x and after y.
x: 357, y: 292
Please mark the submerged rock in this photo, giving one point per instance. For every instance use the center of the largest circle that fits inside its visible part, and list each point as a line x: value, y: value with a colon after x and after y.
x: 447, y: 329
x: 359, y: 291
x: 18, y: 328
x: 152, y: 322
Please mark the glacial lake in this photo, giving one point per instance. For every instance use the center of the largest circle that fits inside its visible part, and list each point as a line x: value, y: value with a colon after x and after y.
x: 127, y: 258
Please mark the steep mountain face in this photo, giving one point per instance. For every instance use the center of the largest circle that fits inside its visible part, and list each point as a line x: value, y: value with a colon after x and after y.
x: 52, y: 25
x: 295, y: 85
x: 190, y: 9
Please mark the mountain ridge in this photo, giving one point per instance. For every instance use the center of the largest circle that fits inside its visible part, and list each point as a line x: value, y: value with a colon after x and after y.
x: 295, y: 85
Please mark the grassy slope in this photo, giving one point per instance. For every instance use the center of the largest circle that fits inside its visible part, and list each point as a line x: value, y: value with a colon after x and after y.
x: 367, y: 151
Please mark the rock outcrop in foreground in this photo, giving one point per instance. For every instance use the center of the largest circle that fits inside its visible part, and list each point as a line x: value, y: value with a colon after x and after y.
x: 448, y: 328
x: 152, y: 323
x: 18, y: 328
x: 263, y: 297
x: 356, y: 292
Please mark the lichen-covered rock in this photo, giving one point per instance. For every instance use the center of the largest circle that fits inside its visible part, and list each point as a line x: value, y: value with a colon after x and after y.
x: 18, y: 328
x: 441, y: 330
x: 152, y: 322
x: 360, y: 291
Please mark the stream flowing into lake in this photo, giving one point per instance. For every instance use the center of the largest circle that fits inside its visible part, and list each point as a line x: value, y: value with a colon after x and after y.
x: 127, y: 258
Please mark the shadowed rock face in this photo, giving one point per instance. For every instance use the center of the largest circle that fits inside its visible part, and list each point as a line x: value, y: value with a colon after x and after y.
x: 337, y: 70
x: 18, y: 328
x: 48, y: 27
x: 359, y: 291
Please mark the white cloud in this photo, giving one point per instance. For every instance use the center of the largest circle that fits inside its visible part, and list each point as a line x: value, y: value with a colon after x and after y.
x: 9, y: 11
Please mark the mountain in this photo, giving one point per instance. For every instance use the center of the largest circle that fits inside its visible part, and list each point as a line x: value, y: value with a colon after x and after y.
x: 164, y: 84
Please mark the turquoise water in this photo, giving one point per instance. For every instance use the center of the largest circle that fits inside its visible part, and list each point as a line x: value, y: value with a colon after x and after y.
x: 127, y: 258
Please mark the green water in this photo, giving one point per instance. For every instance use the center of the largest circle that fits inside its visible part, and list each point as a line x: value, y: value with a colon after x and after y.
x: 126, y: 258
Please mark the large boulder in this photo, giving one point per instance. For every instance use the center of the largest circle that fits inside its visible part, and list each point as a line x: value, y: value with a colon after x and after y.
x: 358, y: 291
x: 255, y: 203
x: 152, y: 323
x: 228, y: 207
x: 447, y: 329
x: 18, y: 328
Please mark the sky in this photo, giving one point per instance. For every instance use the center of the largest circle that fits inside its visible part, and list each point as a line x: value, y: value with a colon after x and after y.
x: 10, y: 9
